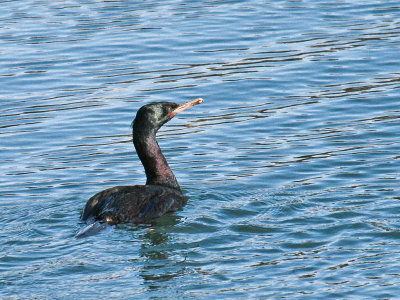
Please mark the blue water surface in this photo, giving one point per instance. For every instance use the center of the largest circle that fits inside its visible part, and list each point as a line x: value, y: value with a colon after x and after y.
x: 291, y: 164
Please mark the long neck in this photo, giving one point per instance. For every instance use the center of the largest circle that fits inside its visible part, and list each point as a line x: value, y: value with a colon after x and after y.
x: 155, y: 165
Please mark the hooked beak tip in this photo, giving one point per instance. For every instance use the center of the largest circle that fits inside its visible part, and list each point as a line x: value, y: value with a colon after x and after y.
x: 185, y: 106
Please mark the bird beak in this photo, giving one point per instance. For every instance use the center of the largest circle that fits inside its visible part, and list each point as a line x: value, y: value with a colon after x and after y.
x: 184, y: 106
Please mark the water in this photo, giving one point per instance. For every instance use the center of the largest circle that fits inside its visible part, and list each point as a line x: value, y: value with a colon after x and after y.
x: 291, y: 164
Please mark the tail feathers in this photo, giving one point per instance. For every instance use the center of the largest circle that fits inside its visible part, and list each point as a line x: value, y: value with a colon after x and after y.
x: 91, y: 229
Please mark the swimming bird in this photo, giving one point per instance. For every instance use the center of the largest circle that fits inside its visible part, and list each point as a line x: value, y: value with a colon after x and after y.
x: 161, y: 193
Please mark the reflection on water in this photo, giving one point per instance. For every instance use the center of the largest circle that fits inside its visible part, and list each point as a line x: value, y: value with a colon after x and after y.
x: 290, y: 165
x: 160, y: 261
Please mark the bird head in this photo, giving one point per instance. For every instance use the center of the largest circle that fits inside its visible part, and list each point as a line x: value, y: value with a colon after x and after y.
x: 152, y: 116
